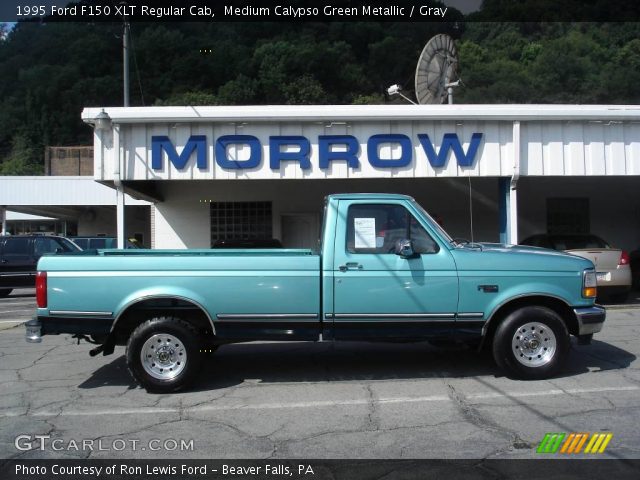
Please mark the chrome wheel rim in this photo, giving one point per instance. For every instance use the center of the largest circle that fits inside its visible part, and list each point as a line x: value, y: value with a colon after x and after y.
x: 163, y: 356
x: 534, y: 344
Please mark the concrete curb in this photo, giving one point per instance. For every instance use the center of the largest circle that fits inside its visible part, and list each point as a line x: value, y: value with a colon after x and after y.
x: 10, y: 325
x: 634, y: 306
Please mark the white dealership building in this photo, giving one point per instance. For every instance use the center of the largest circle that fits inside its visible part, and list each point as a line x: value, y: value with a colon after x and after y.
x: 494, y: 172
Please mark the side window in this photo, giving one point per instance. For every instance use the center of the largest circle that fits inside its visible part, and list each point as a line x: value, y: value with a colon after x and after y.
x: 81, y: 242
x: 16, y: 246
x: 45, y: 245
x: 65, y: 245
x: 376, y: 229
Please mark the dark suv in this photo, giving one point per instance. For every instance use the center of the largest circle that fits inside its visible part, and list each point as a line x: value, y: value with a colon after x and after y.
x: 19, y: 256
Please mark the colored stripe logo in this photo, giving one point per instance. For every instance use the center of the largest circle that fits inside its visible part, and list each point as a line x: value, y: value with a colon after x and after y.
x: 572, y: 443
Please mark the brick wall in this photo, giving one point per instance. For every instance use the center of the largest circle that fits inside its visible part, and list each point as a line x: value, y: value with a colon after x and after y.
x: 62, y: 161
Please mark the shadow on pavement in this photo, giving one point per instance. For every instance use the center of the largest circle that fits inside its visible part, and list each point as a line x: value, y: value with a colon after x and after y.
x: 112, y: 374
x: 353, y: 361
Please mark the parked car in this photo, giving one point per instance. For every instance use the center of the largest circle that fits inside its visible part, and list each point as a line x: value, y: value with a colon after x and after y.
x: 19, y: 255
x: 96, y: 243
x: 634, y: 262
x: 613, y: 271
x: 386, y: 271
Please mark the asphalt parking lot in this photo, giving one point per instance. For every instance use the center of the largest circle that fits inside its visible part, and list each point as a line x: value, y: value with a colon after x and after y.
x: 300, y: 400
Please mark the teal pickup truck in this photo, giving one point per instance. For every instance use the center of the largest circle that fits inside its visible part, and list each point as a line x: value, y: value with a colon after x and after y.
x: 386, y: 272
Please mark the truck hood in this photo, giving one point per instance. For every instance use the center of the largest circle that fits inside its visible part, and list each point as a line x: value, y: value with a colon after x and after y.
x: 497, y: 256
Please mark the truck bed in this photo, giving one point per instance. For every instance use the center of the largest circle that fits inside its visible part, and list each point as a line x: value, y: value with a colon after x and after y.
x: 225, y: 283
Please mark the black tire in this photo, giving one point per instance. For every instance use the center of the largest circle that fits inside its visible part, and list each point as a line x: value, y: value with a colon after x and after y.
x: 169, y: 332
x: 4, y: 292
x: 543, y: 343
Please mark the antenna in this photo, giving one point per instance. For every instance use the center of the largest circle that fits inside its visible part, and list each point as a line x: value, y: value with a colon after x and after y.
x: 437, y: 71
x: 470, y: 209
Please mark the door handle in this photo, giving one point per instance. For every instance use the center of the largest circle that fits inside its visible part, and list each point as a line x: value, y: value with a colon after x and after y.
x: 350, y: 266
x: 4, y: 261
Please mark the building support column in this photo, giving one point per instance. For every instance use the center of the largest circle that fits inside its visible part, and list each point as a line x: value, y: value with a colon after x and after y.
x: 117, y: 182
x: 508, y: 195
x: 120, y: 215
x: 3, y: 220
x: 508, y: 211
x: 503, y: 207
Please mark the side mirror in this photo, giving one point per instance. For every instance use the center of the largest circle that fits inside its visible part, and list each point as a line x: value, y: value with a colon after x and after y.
x: 404, y: 248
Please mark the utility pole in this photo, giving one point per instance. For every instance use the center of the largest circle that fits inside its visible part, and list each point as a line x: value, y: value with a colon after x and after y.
x: 120, y: 204
x: 125, y: 57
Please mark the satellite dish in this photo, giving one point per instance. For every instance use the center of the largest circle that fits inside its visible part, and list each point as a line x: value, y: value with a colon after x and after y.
x: 436, y: 72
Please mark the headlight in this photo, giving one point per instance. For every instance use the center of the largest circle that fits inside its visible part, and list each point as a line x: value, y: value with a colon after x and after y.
x: 589, y: 284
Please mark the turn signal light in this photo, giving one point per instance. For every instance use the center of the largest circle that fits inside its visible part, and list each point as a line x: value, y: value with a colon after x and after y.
x: 589, y: 284
x: 41, y: 289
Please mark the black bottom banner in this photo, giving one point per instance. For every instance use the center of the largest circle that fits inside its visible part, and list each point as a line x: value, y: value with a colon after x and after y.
x: 275, y: 469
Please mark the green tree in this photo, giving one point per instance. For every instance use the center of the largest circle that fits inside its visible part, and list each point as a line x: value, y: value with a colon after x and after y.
x: 22, y: 160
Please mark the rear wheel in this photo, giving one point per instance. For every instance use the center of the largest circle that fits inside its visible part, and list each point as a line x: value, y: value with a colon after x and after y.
x: 163, y: 354
x: 4, y: 292
x: 531, y: 343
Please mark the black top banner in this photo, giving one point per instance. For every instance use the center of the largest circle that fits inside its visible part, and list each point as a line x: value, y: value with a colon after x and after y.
x: 320, y: 11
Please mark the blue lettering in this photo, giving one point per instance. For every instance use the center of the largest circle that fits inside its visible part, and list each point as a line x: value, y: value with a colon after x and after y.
x: 405, y: 150
x: 255, y: 155
x: 450, y: 141
x: 301, y: 156
x: 162, y: 143
x: 349, y: 152
x: 325, y: 142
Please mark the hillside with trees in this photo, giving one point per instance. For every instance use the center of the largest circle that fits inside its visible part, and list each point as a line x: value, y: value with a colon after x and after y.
x: 51, y: 71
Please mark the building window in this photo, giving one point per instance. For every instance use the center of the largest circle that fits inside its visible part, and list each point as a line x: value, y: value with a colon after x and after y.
x: 240, y: 220
x: 568, y: 215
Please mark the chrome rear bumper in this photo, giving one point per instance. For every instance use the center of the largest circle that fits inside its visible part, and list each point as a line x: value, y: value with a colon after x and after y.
x: 590, y: 319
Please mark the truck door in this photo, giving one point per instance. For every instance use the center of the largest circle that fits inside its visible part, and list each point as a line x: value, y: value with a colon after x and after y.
x: 381, y: 295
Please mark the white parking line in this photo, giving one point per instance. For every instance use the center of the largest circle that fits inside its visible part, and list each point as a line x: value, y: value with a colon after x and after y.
x: 12, y: 321
x: 16, y: 311
x: 316, y: 404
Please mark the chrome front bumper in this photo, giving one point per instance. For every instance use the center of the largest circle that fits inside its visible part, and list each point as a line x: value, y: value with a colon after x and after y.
x: 590, y: 319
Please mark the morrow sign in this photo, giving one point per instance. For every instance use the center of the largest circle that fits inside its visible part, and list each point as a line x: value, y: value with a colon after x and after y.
x: 297, y: 148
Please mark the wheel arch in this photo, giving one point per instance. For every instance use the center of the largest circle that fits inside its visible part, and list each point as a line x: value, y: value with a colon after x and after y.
x: 557, y: 304
x: 140, y: 309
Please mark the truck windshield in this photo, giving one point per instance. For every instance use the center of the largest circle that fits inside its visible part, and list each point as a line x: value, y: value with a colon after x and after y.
x: 433, y: 223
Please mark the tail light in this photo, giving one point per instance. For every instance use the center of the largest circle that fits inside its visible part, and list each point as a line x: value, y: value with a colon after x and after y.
x: 41, y: 289
x: 624, y: 258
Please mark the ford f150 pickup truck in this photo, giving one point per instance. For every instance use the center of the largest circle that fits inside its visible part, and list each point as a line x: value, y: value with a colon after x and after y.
x: 386, y: 271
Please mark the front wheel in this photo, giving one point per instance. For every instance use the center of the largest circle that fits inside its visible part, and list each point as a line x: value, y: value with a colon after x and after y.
x: 163, y: 354
x: 531, y: 343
